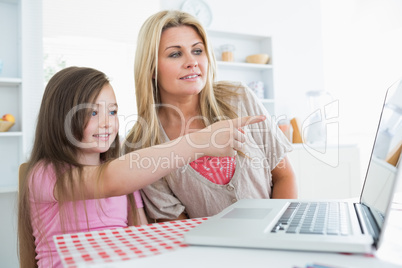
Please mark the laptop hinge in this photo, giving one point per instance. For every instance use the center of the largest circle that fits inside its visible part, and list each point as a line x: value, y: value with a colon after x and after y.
x: 367, y: 222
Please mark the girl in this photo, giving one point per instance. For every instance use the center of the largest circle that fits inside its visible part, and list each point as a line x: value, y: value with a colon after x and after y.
x: 75, y: 182
x: 175, y: 69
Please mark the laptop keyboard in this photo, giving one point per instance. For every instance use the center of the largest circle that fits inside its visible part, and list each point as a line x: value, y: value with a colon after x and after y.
x: 325, y: 218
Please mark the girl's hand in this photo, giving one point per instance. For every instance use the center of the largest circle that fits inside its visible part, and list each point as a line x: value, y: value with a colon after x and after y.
x: 222, y: 138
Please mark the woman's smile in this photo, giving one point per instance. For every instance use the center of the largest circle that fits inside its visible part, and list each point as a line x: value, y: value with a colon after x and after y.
x: 191, y: 77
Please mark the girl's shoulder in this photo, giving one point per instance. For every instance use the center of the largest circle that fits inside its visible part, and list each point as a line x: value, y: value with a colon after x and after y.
x: 43, y: 172
x: 41, y: 181
x: 42, y: 168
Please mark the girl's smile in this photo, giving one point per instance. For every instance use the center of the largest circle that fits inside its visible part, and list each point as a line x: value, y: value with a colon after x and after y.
x: 103, y: 137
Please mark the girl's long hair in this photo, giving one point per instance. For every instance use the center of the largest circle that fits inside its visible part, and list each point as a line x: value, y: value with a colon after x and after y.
x: 61, y: 121
x: 212, y: 102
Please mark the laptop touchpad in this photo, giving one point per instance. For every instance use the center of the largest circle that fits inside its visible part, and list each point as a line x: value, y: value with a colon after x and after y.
x: 247, y: 213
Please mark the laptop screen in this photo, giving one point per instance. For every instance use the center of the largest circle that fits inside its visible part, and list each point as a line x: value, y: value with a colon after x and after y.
x: 385, y: 158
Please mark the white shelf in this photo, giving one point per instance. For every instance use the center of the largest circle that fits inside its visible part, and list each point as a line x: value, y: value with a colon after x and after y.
x: 8, y: 189
x: 7, y: 81
x: 11, y: 134
x: 21, y: 83
x: 243, y: 66
x: 21, y: 88
x: 268, y: 101
x: 9, y: 1
x: 235, y: 35
x: 239, y: 70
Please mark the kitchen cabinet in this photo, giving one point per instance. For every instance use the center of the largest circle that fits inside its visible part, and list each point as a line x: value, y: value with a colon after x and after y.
x: 21, y: 87
x: 318, y: 178
x: 10, y: 93
x: 21, y: 83
x: 238, y: 69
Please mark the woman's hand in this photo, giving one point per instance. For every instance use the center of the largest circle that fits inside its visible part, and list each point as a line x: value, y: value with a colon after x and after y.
x: 222, y: 138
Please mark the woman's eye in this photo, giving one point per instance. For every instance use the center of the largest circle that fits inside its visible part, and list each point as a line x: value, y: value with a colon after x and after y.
x: 94, y: 113
x: 198, y: 51
x: 114, y: 112
x: 175, y: 55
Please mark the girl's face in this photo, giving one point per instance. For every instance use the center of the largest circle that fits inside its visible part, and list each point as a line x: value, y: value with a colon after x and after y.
x: 102, y: 126
x: 182, y: 63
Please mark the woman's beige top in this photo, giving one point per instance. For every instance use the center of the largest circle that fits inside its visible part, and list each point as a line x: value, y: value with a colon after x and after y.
x: 186, y: 190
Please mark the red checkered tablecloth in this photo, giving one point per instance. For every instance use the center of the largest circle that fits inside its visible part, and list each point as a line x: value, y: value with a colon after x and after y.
x: 122, y: 243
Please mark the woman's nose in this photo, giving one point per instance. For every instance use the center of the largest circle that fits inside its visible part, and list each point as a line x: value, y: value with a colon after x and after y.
x: 191, y: 62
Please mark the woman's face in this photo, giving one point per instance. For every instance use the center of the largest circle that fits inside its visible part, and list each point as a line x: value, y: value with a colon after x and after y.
x: 182, y: 63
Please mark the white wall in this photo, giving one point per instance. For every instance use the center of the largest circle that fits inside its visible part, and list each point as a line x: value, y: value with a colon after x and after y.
x: 350, y: 48
x: 362, y: 41
x: 100, y: 34
x: 295, y: 27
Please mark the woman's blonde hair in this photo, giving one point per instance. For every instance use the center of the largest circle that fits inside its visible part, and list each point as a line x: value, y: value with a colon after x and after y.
x: 146, y: 132
x: 65, y: 92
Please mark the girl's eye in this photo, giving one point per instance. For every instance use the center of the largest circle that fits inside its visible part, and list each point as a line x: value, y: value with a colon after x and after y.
x: 197, y: 51
x: 174, y: 55
x: 114, y: 112
x: 94, y: 113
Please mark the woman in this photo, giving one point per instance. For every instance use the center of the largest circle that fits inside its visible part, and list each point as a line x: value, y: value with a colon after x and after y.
x: 176, y: 94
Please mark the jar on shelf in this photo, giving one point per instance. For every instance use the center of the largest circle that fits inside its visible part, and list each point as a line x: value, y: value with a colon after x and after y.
x: 227, y: 52
x: 258, y: 88
x: 286, y: 128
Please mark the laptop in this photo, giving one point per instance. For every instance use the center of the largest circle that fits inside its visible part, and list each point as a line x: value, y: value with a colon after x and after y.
x: 319, y: 225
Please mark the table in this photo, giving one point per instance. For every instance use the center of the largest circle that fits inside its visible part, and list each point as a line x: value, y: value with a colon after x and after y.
x: 161, y: 245
x: 122, y: 244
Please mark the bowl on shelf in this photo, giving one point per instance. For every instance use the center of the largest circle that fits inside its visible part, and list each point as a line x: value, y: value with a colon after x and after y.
x: 258, y: 58
x: 5, y: 126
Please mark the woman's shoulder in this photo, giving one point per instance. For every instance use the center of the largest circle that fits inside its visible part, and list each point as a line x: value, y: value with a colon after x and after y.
x: 237, y: 91
x: 235, y: 87
x: 231, y: 91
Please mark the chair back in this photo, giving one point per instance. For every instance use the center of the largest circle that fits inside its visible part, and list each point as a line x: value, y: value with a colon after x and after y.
x: 27, y: 257
x: 22, y: 172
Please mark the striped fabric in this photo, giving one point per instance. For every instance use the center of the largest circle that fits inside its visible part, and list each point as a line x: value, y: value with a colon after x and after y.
x: 218, y: 170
